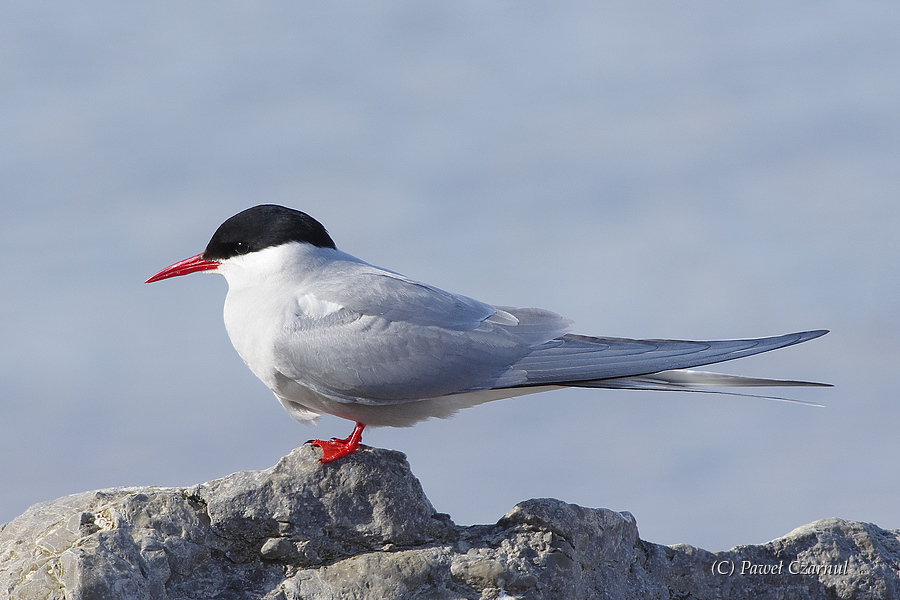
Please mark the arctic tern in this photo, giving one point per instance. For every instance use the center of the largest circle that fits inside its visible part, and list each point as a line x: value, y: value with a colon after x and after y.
x: 329, y: 333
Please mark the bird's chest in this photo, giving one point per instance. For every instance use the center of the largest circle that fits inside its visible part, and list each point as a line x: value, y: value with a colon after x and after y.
x: 254, y: 321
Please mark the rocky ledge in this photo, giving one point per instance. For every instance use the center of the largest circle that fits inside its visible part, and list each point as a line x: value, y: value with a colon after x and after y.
x: 362, y: 528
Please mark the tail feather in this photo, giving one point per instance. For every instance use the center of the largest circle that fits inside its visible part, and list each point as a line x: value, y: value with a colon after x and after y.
x: 571, y: 359
x: 689, y: 380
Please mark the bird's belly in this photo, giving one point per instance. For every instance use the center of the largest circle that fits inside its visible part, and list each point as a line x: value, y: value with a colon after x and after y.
x: 303, y: 404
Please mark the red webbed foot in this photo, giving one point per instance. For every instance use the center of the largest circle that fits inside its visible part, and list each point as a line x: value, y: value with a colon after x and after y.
x: 336, y: 448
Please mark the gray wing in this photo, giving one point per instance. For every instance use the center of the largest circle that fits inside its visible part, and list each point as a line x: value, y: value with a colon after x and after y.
x: 369, y: 290
x: 578, y: 360
x: 395, y: 340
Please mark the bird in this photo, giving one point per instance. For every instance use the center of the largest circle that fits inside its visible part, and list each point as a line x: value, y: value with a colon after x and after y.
x: 331, y: 334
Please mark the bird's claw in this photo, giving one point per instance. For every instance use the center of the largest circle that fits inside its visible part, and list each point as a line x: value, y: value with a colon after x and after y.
x: 336, y: 448
x: 333, y: 449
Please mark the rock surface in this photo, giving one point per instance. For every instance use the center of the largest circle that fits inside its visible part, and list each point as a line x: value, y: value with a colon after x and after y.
x: 362, y: 528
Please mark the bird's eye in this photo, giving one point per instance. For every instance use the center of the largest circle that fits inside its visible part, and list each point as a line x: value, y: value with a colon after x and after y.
x: 241, y: 248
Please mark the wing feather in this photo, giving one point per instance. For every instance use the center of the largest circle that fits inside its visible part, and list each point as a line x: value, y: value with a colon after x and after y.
x: 571, y: 359
x: 386, y: 339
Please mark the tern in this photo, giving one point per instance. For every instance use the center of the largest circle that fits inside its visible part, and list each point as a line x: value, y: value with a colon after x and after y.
x: 331, y: 334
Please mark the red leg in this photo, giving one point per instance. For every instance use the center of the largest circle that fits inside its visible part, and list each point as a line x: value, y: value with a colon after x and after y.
x: 336, y: 448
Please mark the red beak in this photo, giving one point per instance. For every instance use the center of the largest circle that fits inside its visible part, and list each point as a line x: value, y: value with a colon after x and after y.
x: 183, y: 267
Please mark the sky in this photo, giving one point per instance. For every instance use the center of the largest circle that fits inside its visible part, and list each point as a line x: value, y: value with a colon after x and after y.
x: 691, y: 170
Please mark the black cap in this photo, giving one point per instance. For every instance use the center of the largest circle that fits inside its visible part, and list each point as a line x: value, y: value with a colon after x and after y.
x: 262, y: 227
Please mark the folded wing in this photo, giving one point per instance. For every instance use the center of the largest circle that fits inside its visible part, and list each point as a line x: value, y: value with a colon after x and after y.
x: 389, y: 340
x: 583, y: 361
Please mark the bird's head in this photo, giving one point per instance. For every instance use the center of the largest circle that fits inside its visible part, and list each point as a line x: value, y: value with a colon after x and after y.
x: 252, y: 230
